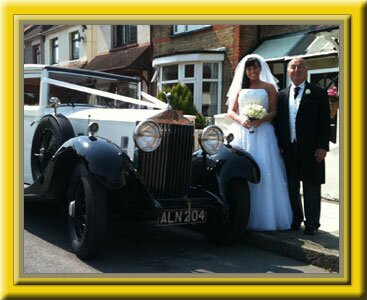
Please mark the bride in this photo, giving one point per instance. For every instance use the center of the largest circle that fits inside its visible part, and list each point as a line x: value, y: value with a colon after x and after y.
x: 253, y: 83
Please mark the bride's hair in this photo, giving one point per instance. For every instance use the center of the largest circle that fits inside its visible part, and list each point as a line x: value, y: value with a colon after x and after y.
x: 240, y: 76
x: 249, y: 63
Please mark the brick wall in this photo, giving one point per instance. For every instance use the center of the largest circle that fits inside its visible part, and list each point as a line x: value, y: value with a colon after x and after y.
x: 249, y: 39
x: 207, y: 39
x: 244, y: 39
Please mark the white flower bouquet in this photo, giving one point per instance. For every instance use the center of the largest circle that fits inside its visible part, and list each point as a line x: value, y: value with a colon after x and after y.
x: 253, y: 112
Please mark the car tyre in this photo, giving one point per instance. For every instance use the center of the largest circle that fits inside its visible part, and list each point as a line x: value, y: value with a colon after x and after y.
x: 231, y: 228
x: 52, y: 131
x: 87, y: 213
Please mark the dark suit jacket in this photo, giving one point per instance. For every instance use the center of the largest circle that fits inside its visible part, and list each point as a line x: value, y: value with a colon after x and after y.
x: 312, y: 130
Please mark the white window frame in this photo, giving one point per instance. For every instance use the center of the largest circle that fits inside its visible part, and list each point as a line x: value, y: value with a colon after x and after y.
x: 72, y: 42
x: 316, y: 71
x: 177, y: 29
x: 319, y: 71
x: 217, y: 80
x: 328, y: 70
x: 36, y: 54
x: 197, y: 59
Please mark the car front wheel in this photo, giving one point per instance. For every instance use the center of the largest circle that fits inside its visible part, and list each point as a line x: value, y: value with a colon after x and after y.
x: 234, y: 225
x: 87, y: 213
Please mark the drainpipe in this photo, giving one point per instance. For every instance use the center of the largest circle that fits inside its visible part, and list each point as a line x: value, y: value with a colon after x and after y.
x: 258, y: 31
x: 42, y: 45
x: 151, y: 85
x: 285, y: 66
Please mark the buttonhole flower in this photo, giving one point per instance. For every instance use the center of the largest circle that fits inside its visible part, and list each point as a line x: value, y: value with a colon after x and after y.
x: 308, y: 91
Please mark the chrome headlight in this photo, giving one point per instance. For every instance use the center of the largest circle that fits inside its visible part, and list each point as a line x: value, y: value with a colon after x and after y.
x: 211, y: 139
x: 148, y: 135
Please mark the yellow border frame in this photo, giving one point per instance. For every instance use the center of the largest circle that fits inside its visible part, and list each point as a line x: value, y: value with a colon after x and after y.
x: 350, y: 13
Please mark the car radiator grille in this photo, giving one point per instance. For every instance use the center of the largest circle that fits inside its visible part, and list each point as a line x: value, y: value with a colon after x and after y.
x: 166, y: 172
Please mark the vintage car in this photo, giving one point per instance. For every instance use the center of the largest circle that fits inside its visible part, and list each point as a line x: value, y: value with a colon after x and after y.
x: 104, y: 148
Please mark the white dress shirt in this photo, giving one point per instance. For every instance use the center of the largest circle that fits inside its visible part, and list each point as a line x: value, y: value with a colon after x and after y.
x: 293, y: 108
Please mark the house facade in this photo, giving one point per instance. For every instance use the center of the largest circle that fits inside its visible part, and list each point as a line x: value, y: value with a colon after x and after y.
x: 204, y: 57
x: 61, y: 45
x: 121, y: 49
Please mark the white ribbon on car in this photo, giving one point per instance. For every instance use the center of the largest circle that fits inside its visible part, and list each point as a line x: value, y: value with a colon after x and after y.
x: 154, y: 102
x: 153, y: 99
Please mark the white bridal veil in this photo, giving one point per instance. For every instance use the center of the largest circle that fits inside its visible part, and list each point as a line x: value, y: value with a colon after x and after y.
x: 265, y: 75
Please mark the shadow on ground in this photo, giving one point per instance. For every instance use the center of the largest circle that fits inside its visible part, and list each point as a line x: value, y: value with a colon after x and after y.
x: 133, y: 247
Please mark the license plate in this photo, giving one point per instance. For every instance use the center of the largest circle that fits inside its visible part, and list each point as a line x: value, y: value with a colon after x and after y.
x: 181, y: 216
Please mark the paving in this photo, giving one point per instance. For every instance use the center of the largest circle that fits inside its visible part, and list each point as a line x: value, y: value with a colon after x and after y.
x: 321, y: 249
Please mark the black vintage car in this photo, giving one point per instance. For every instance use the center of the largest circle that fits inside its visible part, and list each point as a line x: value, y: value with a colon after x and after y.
x: 105, y: 153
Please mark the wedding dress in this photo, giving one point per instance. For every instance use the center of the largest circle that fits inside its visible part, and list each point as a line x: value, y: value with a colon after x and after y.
x: 270, y: 205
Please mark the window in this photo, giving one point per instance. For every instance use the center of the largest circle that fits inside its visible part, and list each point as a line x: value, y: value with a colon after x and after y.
x: 203, y: 80
x: 170, y: 72
x: 111, y: 85
x: 210, y: 89
x: 210, y: 70
x: 36, y: 54
x: 328, y: 78
x: 186, y: 28
x: 124, y: 35
x: 201, y: 72
x: 31, y: 91
x: 325, y: 78
x: 189, y: 71
x: 54, y: 51
x: 75, y: 45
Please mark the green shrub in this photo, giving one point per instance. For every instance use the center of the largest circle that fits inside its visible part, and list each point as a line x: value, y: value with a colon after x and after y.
x: 181, y: 99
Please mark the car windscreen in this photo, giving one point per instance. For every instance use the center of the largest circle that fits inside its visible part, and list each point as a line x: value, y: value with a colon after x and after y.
x: 81, y: 97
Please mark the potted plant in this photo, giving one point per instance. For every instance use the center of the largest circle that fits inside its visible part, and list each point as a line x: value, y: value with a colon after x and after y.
x: 180, y: 98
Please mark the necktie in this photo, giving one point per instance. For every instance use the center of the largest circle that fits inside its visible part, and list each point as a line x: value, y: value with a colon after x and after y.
x: 296, y: 91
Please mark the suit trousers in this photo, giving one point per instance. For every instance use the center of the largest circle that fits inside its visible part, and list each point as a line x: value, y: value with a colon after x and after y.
x: 311, y: 192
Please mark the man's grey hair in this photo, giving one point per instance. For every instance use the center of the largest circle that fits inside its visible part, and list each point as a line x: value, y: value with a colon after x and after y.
x: 304, y: 61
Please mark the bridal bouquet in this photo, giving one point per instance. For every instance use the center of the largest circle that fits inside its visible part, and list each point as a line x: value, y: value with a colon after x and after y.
x: 253, y: 112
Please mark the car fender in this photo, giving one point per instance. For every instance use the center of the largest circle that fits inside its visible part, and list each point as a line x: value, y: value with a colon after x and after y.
x: 103, y: 160
x: 214, y: 172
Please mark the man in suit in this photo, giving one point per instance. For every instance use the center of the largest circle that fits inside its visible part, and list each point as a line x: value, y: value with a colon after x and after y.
x: 303, y: 130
